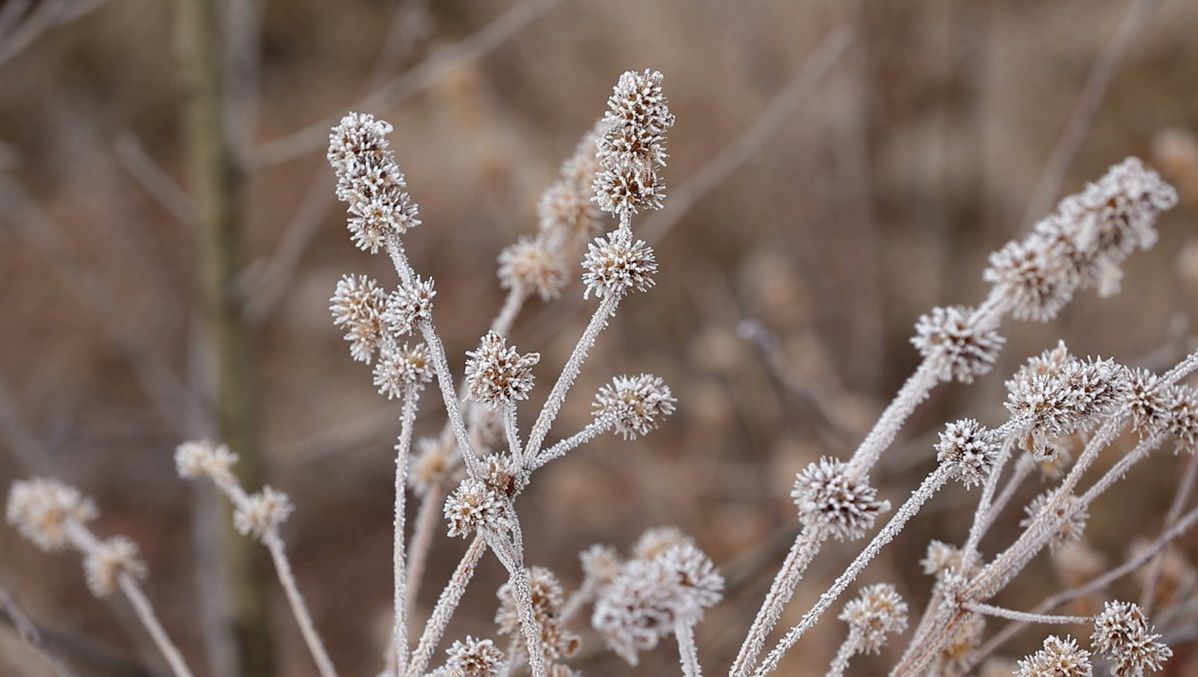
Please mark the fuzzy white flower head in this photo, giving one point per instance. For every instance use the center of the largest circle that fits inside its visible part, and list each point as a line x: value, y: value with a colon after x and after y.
x: 496, y: 374
x: 1183, y: 416
x: 534, y: 264
x: 1148, y: 400
x: 401, y: 367
x: 473, y: 506
x: 635, y: 405
x: 409, y: 305
x: 547, y: 597
x: 1034, y: 276
x: 1073, y: 526
x: 357, y: 305
x: 600, y: 564
x: 432, y: 464
x: 700, y: 585
x: 953, y: 339
x: 878, y: 611
x: 969, y: 449
x: 45, y: 510
x: 657, y: 540
x: 262, y: 513
x: 370, y: 182
x: 616, y: 264
x: 1055, y: 405
x: 474, y: 658
x: 108, y: 562
x: 1058, y: 658
x: 1123, y: 634
x: 203, y: 458
x: 834, y: 503
x: 566, y: 213
x: 632, y: 145
x: 636, y: 610
x: 628, y: 189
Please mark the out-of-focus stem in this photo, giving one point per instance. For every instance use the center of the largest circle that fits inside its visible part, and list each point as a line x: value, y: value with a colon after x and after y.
x: 298, y: 608
x: 399, y: 636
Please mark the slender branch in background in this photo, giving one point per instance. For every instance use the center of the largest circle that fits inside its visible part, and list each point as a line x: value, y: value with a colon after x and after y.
x: 298, y: 608
x: 313, y: 137
x: 1023, y: 468
x: 422, y: 543
x: 12, y: 614
x: 157, y: 183
x: 446, y: 604
x: 145, y: 612
x: 1082, y: 118
x: 16, y: 33
x: 399, y: 637
x: 1181, y: 498
x: 1024, y: 616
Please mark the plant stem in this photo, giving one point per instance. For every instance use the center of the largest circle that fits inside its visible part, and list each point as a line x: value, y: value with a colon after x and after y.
x: 399, y: 636
x: 298, y: 608
x: 446, y: 603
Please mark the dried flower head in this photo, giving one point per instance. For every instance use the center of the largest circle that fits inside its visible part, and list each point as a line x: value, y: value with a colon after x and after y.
x: 409, y: 305
x: 534, y: 264
x: 636, y: 610
x: 370, y: 182
x: 1058, y: 658
x: 45, y: 510
x: 566, y: 212
x: 600, y: 564
x: 357, y: 305
x: 1123, y: 634
x: 547, y: 597
x: 473, y: 506
x: 108, y: 561
x: 632, y: 146
x: 958, y: 344
x: 204, y: 459
x: 634, y: 404
x: 628, y: 189
x: 834, y: 503
x: 262, y: 513
x: 700, y: 585
x: 474, y: 658
x: 1069, y: 510
x: 941, y: 557
x: 496, y: 374
x: 616, y: 264
x: 1034, y: 276
x: 1148, y: 400
x: 969, y: 449
x: 878, y: 611
x: 432, y: 464
x: 1055, y: 405
x: 1183, y: 416
x: 401, y: 367
x: 656, y: 541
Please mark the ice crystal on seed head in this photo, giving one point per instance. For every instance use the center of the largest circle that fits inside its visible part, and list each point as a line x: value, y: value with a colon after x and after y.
x: 262, y: 512
x: 1055, y: 405
x: 108, y: 562
x: 634, y: 404
x: 632, y: 147
x: 834, y: 503
x: 533, y: 264
x: 1183, y: 416
x: 700, y: 585
x: 474, y: 658
x: 358, y: 305
x: 432, y: 464
x: 615, y: 265
x: 409, y: 305
x: 473, y: 506
x: 600, y: 564
x: 1072, y: 527
x: 401, y: 367
x: 204, y: 459
x: 497, y: 374
x: 1058, y: 658
x: 952, y: 338
x: 878, y: 611
x: 44, y: 511
x: 969, y: 449
x: 1123, y: 635
x: 566, y: 212
x: 370, y: 182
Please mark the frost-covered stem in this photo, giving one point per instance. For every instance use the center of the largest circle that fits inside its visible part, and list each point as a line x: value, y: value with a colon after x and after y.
x: 513, y: 435
x: 422, y: 543
x: 145, y: 613
x: 399, y: 635
x: 1180, y: 499
x: 1023, y: 468
x: 848, y: 649
x: 399, y: 258
x: 980, y: 515
x: 688, y: 653
x: 446, y: 604
x: 1025, y: 616
x: 591, y: 431
x: 512, y: 557
x: 452, y: 405
x: 502, y: 324
x: 806, y: 546
x: 928, y: 488
x: 913, y: 392
x: 557, y: 396
x: 1117, y: 471
x: 298, y: 608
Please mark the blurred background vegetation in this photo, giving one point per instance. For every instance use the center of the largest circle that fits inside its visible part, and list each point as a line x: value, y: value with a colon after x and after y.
x: 787, y: 291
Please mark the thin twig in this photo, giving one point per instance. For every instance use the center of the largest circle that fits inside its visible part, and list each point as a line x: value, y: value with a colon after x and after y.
x: 298, y: 608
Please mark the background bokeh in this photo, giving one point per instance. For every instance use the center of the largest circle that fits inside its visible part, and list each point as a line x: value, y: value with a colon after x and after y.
x: 781, y: 313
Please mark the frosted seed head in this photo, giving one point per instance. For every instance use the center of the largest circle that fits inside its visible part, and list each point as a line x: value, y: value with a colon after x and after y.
x: 969, y: 449
x: 535, y: 265
x: 1033, y: 276
x: 635, y: 405
x: 262, y: 513
x: 1071, y: 529
x: 358, y: 137
x: 108, y: 562
x: 473, y: 506
x: 547, y: 598
x: 953, y: 339
x: 636, y: 610
x: 700, y: 585
x: 401, y: 367
x: 357, y: 306
x: 834, y: 503
x: 1123, y: 635
x: 1058, y: 658
x: 658, y: 541
x: 600, y: 564
x: 1148, y: 400
x: 1182, y: 416
x: 1055, y: 405
x: 877, y: 612
x: 498, y: 375
x: 638, y: 101
x: 45, y: 510
x: 409, y: 305
x: 965, y: 639
x: 628, y: 189
x: 474, y: 658
x: 370, y: 182
x: 566, y: 212
x: 432, y: 464
x: 616, y: 265
x: 941, y: 557
x: 203, y: 458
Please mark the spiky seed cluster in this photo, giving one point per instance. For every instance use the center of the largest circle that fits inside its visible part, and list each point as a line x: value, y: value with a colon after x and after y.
x: 432, y: 464
x: 615, y: 265
x: 357, y: 305
x: 600, y: 565
x: 1083, y: 243
x: 1069, y: 510
x: 1123, y: 634
x: 657, y: 540
x: 473, y: 506
x: 969, y: 449
x: 700, y: 585
x: 474, y: 658
x: 565, y: 211
x: 632, y: 148
x: 961, y: 348
x: 1058, y: 658
x: 834, y: 503
x: 262, y: 513
x: 535, y: 265
x: 108, y: 561
x: 878, y: 611
x: 1183, y: 416
x: 497, y: 375
x: 941, y: 558
x: 557, y: 641
x: 1057, y: 404
x: 409, y: 305
x: 635, y: 405
x: 1148, y: 400
x: 369, y: 181
x: 44, y: 510
x: 401, y: 367
x: 204, y: 459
